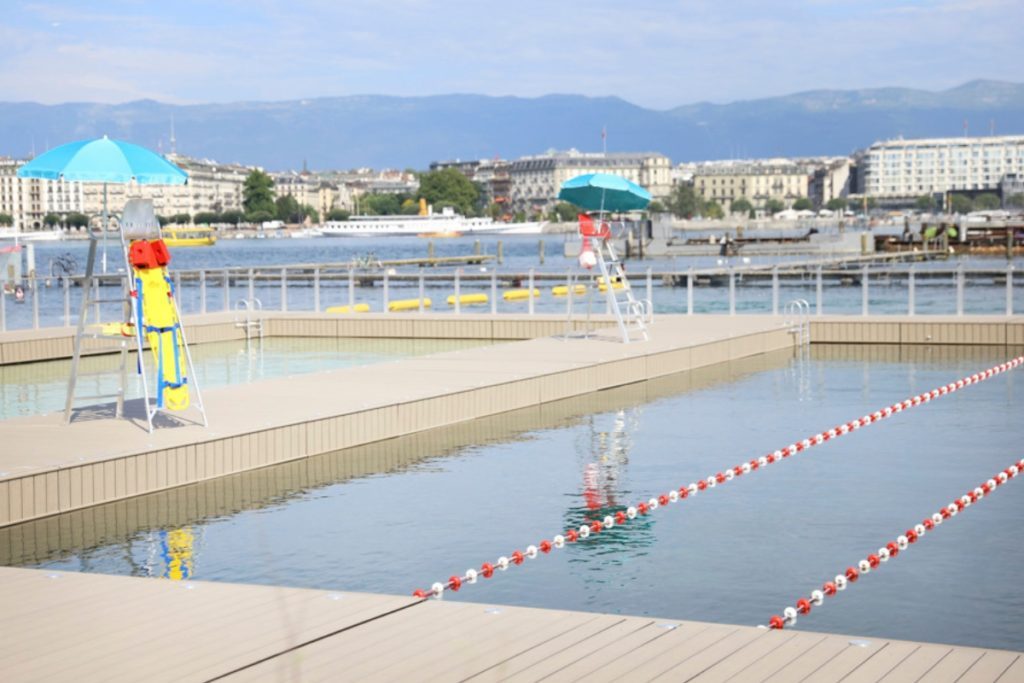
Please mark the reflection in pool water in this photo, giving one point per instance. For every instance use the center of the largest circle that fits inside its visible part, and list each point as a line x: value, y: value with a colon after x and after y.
x: 397, y: 515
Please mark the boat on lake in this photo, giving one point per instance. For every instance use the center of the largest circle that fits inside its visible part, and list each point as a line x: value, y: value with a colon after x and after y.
x: 445, y: 224
x: 189, y: 237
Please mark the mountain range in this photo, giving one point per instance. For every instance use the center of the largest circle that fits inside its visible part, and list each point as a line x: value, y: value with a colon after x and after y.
x: 410, y: 132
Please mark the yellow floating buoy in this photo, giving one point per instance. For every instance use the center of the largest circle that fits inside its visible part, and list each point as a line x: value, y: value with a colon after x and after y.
x: 468, y: 299
x: 407, y: 304
x: 617, y: 283
x: 358, y: 308
x: 563, y: 290
x: 520, y: 294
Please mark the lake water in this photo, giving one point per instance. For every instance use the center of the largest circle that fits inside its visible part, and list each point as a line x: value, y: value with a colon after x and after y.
x: 398, y: 515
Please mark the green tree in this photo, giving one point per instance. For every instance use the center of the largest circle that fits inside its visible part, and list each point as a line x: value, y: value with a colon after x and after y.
x: 654, y: 207
x: 162, y: 220
x: 6, y: 219
x: 448, y: 187
x: 207, y: 217
x: 925, y: 203
x: 741, y: 205
x: 181, y: 219
x: 565, y: 212
x: 260, y: 216
x: 287, y: 209
x: 410, y: 207
x: 312, y: 214
x: 836, y: 204
x: 684, y: 201
x: 258, y: 195
x: 232, y: 216
x: 959, y: 203
x: 1015, y: 200
x: 384, y: 204
x: 713, y: 210
x: 76, y: 220
x: 773, y: 206
x: 338, y: 215
x: 50, y: 220
x: 520, y: 217
x: 802, y: 204
x: 986, y: 202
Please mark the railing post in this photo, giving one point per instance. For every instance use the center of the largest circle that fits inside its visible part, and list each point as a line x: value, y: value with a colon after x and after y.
x: 3, y: 309
x: 911, y: 290
x: 732, y: 291
x: 252, y: 285
x: 227, y: 291
x: 202, y: 291
x: 351, y: 290
x: 421, y: 290
x: 569, y: 297
x: 1009, y: 289
x: 494, y: 292
x: 864, y: 290
x: 960, y: 289
x: 35, y: 303
x: 66, y: 285
x: 775, y: 290
x: 650, y: 288
x: 458, y: 287
x: 284, y: 289
x: 178, y: 294
x: 689, y: 291
x: 95, y: 296
x: 530, y: 291
x: 819, y: 292
x: 316, y: 289
x: 386, y: 289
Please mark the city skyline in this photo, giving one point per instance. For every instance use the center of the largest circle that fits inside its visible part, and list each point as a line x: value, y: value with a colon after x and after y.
x: 654, y: 54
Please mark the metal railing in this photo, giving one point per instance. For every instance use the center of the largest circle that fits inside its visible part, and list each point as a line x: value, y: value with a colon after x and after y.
x: 864, y: 290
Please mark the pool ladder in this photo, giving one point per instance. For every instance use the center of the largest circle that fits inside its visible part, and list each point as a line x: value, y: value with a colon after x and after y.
x: 252, y: 320
x: 797, y: 314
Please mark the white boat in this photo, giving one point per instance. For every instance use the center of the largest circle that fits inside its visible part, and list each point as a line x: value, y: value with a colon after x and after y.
x: 445, y: 224
x: 13, y: 234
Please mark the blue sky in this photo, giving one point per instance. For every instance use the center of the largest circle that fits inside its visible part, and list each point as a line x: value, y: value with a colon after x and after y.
x: 654, y: 53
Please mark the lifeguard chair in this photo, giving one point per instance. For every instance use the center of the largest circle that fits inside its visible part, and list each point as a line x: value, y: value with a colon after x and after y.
x: 150, y: 315
x: 631, y: 314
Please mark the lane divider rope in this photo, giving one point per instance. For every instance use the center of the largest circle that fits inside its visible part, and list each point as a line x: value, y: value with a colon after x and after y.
x: 623, y: 517
x: 892, y: 549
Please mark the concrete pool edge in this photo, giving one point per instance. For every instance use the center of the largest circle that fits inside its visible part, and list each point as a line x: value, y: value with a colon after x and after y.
x: 43, y: 470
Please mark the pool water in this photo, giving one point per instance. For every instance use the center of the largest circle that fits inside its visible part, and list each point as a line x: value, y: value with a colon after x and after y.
x: 39, y: 388
x: 402, y: 514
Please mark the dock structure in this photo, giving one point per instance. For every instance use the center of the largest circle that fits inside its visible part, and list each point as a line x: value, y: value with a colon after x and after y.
x: 62, y: 626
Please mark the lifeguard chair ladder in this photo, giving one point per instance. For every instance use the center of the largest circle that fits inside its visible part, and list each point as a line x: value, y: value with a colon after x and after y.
x: 632, y: 315
x: 137, y: 222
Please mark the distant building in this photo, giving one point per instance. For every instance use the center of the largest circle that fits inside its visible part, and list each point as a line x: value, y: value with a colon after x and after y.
x: 28, y: 200
x: 535, y: 180
x: 898, y: 171
x: 491, y: 175
x: 757, y: 181
x: 1010, y: 185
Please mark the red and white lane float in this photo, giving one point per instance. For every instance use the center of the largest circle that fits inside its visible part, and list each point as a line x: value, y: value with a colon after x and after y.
x: 624, y: 517
x: 891, y: 550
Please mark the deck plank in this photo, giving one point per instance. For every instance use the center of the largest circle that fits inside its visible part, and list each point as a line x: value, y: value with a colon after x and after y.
x: 990, y: 667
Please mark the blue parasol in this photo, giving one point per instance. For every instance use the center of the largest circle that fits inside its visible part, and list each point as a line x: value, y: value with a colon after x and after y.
x: 604, y: 192
x: 103, y: 160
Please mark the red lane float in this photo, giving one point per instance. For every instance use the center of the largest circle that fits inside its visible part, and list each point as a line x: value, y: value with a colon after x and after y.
x: 890, y: 550
x: 643, y: 508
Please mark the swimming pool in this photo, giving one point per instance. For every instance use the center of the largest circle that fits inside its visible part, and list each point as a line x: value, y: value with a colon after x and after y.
x: 38, y: 388
x: 401, y: 514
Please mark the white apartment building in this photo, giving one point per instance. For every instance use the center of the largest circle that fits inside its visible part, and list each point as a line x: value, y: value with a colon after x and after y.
x: 535, y: 180
x: 28, y: 201
x: 905, y: 169
x: 757, y: 181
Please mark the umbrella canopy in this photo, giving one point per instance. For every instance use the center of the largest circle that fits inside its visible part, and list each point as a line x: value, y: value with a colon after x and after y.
x: 104, y: 161
x: 604, y: 192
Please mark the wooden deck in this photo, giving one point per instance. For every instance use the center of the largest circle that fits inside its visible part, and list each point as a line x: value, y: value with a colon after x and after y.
x: 85, y: 627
